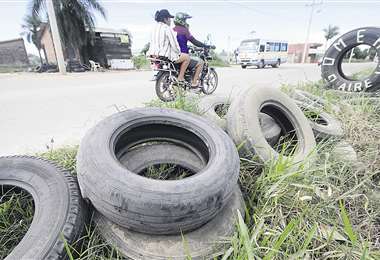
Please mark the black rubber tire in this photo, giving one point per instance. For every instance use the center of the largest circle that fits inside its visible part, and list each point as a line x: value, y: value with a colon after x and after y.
x: 332, y: 61
x: 59, y: 208
x: 207, y: 106
x: 244, y: 127
x: 261, y: 65
x: 212, y: 90
x: 200, y: 244
x: 243, y: 66
x: 327, y: 127
x: 148, y: 205
x: 163, y: 76
x: 277, y: 64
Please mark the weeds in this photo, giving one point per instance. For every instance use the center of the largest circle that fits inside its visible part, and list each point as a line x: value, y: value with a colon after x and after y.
x: 185, y: 101
x: 320, y: 210
x: 16, y: 215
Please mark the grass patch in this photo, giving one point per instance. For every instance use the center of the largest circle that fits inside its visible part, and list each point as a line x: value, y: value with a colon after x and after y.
x: 16, y: 215
x: 362, y: 74
x: 321, y: 210
x: 8, y: 69
x: 185, y: 101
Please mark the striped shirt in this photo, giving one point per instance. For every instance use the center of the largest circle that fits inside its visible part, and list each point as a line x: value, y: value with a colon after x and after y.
x: 164, y: 43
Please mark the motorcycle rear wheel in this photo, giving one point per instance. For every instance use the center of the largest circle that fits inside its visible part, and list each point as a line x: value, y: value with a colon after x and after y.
x: 165, y: 88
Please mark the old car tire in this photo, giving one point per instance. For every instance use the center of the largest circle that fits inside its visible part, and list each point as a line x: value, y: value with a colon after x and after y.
x: 244, y: 127
x: 207, y: 108
x: 59, y: 208
x: 325, y: 126
x: 332, y: 61
x: 149, y: 205
x: 202, y: 243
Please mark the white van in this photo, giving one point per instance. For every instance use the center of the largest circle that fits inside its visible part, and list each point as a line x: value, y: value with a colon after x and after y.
x: 260, y: 52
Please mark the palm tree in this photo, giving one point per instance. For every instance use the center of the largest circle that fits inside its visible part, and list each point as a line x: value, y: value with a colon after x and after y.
x: 330, y: 32
x: 74, y: 17
x: 31, y: 26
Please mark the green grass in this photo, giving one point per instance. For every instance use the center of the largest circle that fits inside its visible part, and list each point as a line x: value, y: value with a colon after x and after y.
x: 185, y: 101
x: 141, y: 62
x: 16, y: 215
x: 321, y: 209
x: 8, y: 69
x: 362, y: 74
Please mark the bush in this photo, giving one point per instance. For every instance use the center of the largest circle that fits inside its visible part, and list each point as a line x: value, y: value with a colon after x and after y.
x: 141, y: 62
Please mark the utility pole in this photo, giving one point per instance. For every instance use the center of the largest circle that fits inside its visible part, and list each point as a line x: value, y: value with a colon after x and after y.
x: 56, y: 37
x: 305, y: 48
x: 229, y: 49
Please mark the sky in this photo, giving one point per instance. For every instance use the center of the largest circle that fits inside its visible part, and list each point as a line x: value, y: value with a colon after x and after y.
x: 228, y: 21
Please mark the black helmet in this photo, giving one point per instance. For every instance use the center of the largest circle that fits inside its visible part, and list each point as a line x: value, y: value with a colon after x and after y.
x: 161, y: 15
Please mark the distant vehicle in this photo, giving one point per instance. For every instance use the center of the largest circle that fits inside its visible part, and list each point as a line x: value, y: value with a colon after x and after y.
x: 260, y: 52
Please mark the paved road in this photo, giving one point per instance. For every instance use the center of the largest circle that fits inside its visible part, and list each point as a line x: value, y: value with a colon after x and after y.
x: 35, y: 108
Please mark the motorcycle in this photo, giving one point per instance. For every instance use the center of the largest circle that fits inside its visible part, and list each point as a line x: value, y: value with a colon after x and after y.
x: 167, y: 84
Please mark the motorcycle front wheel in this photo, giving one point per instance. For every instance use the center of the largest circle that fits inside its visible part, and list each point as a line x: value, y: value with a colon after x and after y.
x: 165, y: 88
x: 210, y: 82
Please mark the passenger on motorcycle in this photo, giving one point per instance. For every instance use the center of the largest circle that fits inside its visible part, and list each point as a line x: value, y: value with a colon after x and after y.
x: 163, y: 43
x: 183, y: 36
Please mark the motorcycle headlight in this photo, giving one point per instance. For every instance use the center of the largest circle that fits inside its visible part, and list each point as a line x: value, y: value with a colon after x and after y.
x: 165, y: 67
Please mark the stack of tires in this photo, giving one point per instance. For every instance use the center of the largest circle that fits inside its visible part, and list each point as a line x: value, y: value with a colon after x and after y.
x: 149, y: 218
x: 260, y: 120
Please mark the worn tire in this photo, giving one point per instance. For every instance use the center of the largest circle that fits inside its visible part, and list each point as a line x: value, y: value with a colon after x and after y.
x: 202, y: 243
x: 155, y: 206
x: 327, y: 126
x: 244, y: 127
x: 332, y: 61
x: 59, y: 208
x: 207, y: 107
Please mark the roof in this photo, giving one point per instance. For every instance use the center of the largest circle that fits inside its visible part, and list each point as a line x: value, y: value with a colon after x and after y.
x: 108, y: 30
x: 263, y: 40
x: 13, y: 40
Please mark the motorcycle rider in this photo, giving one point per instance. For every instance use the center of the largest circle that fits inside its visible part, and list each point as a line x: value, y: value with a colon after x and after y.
x: 183, y: 36
x: 163, y: 43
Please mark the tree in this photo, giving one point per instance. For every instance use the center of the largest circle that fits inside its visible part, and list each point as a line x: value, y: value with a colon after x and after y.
x: 330, y: 32
x: 74, y: 18
x: 31, y: 26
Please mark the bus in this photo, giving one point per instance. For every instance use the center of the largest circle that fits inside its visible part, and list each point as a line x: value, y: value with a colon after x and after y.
x: 260, y: 52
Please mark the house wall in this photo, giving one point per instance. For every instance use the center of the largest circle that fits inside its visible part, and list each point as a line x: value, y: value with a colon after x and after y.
x: 48, y: 46
x: 295, y: 52
x: 13, y: 53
